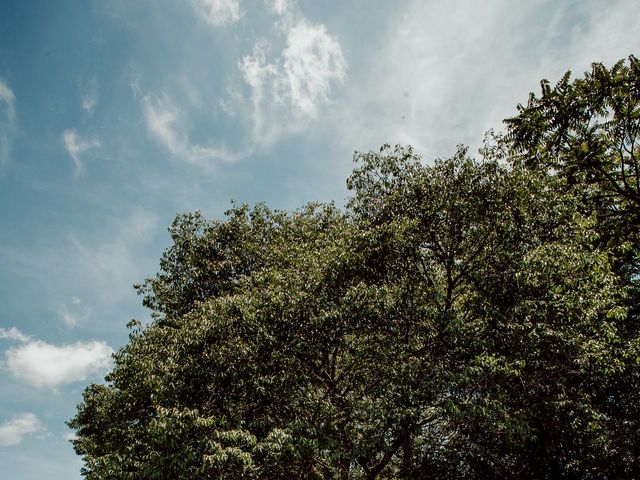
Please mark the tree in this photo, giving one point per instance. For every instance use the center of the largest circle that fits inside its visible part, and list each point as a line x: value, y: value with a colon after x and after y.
x: 586, y: 132
x: 525, y: 314
x: 460, y: 320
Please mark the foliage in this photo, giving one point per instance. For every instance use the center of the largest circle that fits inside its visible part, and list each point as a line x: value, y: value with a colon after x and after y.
x: 465, y: 319
x: 588, y: 133
x: 587, y: 130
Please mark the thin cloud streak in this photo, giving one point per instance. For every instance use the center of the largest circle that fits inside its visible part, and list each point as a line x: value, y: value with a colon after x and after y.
x: 7, y: 121
x: 76, y: 146
x: 110, y: 266
x: 165, y: 121
x: 89, y: 95
x: 102, y: 266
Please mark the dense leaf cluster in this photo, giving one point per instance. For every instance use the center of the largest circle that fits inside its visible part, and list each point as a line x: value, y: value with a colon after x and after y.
x: 465, y: 319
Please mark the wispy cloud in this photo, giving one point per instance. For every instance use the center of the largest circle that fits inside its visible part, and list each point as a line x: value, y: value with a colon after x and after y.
x: 76, y: 146
x: 447, y: 72
x: 13, y: 334
x: 165, y: 121
x: 217, y: 12
x: 6, y: 95
x: 89, y: 96
x: 262, y: 78
x: 286, y: 10
x: 279, y: 89
x: 7, y: 121
x: 110, y: 266
x: 608, y: 34
x: 13, y: 431
x: 279, y: 7
x: 45, y: 365
x: 74, y: 312
x: 100, y: 266
x: 89, y: 102
x: 288, y: 92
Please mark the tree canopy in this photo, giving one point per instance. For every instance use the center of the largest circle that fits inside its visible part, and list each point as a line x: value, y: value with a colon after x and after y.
x: 468, y: 318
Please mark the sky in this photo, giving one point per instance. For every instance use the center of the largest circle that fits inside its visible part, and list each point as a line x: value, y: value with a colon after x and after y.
x: 117, y: 115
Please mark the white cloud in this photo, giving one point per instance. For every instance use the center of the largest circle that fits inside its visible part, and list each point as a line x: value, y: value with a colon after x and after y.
x: 165, y: 121
x: 76, y: 146
x: 44, y: 365
x: 287, y: 93
x: 7, y: 121
x: 12, y: 432
x: 280, y: 92
x: 313, y: 61
x: 442, y: 71
x: 218, y: 12
x: 286, y: 10
x: 448, y: 71
x: 262, y: 78
x: 13, y: 334
x: 279, y: 7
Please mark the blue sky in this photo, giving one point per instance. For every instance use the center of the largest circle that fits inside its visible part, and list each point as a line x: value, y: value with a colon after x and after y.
x: 116, y: 115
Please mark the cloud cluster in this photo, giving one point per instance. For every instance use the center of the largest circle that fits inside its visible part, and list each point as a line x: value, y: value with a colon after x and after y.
x: 217, y: 12
x: 7, y: 121
x: 12, y: 431
x: 303, y: 75
x: 312, y: 61
x: 288, y: 91
x: 76, y: 146
x: 436, y: 75
x: 45, y: 365
x: 13, y: 334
